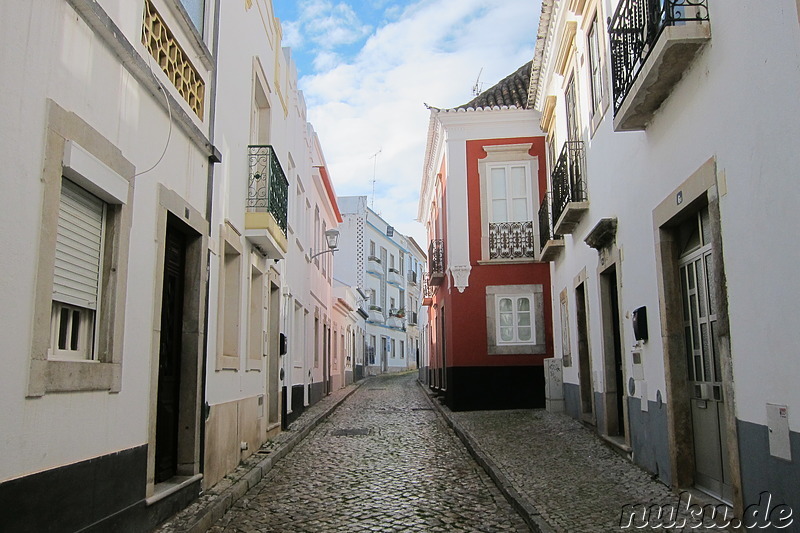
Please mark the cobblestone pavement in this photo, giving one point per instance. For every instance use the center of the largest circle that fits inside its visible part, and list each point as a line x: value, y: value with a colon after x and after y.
x: 383, y: 461
x: 571, y: 478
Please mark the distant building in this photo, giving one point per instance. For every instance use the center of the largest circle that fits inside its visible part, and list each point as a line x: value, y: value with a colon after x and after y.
x: 487, y: 290
x: 382, y: 263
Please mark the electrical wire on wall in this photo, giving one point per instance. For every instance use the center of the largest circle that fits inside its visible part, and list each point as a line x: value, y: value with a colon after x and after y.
x: 169, y: 111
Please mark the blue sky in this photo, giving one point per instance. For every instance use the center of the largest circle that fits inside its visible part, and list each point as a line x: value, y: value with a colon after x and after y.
x: 367, y: 67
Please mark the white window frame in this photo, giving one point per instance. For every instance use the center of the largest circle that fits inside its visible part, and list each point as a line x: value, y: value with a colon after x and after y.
x: 515, y: 314
x: 537, y: 343
x: 509, y: 198
x: 507, y: 155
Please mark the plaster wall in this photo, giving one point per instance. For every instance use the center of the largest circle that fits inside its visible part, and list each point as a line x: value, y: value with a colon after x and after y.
x: 63, y: 60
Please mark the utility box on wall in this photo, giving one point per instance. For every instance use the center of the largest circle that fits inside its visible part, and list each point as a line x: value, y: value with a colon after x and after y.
x: 554, y: 385
x: 778, y: 427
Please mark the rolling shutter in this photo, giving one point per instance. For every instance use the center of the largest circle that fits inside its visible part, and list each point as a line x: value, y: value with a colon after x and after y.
x: 79, y: 244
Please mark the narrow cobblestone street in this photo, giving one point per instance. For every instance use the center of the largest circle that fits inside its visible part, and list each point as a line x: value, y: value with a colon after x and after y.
x: 384, y: 461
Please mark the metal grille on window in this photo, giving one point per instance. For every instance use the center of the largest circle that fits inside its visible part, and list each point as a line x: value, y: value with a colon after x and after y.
x: 510, y: 240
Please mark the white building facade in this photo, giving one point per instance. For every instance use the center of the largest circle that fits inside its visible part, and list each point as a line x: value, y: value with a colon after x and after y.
x: 673, y: 324
x: 378, y: 260
x: 109, y: 134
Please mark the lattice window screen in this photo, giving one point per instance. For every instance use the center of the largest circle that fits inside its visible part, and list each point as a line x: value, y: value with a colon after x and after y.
x: 163, y: 46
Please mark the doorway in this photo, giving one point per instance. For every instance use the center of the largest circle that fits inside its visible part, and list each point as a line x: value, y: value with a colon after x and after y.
x: 584, y: 356
x: 384, y: 354
x: 169, y: 358
x: 613, y: 361
x: 706, y: 398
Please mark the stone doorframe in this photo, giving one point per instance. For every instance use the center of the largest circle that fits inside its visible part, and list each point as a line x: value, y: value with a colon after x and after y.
x: 698, y: 191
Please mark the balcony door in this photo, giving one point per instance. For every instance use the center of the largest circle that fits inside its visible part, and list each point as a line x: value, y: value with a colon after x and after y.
x: 510, y: 211
x: 510, y: 190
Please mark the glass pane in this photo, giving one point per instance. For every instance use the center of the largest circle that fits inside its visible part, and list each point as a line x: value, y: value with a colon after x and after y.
x: 524, y: 319
x: 701, y: 293
x: 693, y: 310
x: 688, y: 345
x: 691, y: 278
x: 196, y: 9
x: 523, y: 304
x: 506, y: 334
x: 684, y: 294
x: 505, y: 305
x: 520, y: 208
x: 76, y: 324
x: 506, y: 319
x: 706, y: 354
x: 524, y: 334
x: 499, y: 211
x: 705, y: 224
x: 63, y: 328
x: 498, y: 183
x: 519, y: 186
x: 717, y: 370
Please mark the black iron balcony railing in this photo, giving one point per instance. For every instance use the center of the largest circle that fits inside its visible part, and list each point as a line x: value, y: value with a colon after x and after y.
x: 412, y: 277
x: 634, y: 31
x: 436, y: 259
x: 511, y: 240
x: 412, y: 319
x: 546, y: 223
x: 426, y: 288
x: 267, y: 187
x: 568, y: 180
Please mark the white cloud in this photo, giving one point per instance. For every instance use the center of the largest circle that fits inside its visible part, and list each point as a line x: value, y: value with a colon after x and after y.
x: 328, y: 24
x: 431, y: 53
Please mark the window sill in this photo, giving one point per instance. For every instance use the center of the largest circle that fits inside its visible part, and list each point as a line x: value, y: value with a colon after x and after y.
x: 526, y: 260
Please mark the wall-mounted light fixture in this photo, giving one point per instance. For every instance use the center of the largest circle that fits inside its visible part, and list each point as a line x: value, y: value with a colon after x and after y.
x: 332, y: 238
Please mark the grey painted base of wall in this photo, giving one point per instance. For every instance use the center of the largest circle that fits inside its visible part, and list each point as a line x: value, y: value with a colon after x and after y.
x: 315, y: 392
x: 648, y: 429
x: 102, y: 494
x: 572, y: 400
x: 358, y: 373
x: 649, y: 438
x: 763, y: 472
x: 348, y: 377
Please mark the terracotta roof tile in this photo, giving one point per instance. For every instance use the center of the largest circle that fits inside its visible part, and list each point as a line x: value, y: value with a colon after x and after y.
x: 510, y: 91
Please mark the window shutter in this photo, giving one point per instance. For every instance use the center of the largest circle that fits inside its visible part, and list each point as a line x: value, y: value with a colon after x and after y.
x: 79, y: 243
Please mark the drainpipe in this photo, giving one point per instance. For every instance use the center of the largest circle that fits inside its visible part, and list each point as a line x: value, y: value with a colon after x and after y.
x: 216, y: 157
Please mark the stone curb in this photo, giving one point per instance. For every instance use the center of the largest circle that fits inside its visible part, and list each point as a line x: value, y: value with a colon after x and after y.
x: 216, y: 508
x: 526, y: 509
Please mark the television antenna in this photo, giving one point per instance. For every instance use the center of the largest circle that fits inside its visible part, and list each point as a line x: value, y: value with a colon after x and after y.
x: 478, y: 87
x: 374, y: 157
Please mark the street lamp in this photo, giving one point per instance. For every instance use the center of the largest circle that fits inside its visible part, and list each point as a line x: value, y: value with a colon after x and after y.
x: 332, y: 238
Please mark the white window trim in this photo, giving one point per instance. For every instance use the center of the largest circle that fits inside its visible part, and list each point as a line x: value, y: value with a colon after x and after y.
x: 510, y: 154
x: 514, y: 299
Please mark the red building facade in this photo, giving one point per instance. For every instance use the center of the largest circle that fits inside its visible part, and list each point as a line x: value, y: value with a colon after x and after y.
x: 490, y: 316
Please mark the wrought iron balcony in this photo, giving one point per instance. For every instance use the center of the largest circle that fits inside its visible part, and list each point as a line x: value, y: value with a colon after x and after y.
x: 511, y: 240
x: 436, y: 262
x: 549, y: 242
x: 412, y: 319
x: 427, y: 290
x: 267, y: 187
x: 569, y: 188
x: 652, y: 44
x: 412, y: 277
